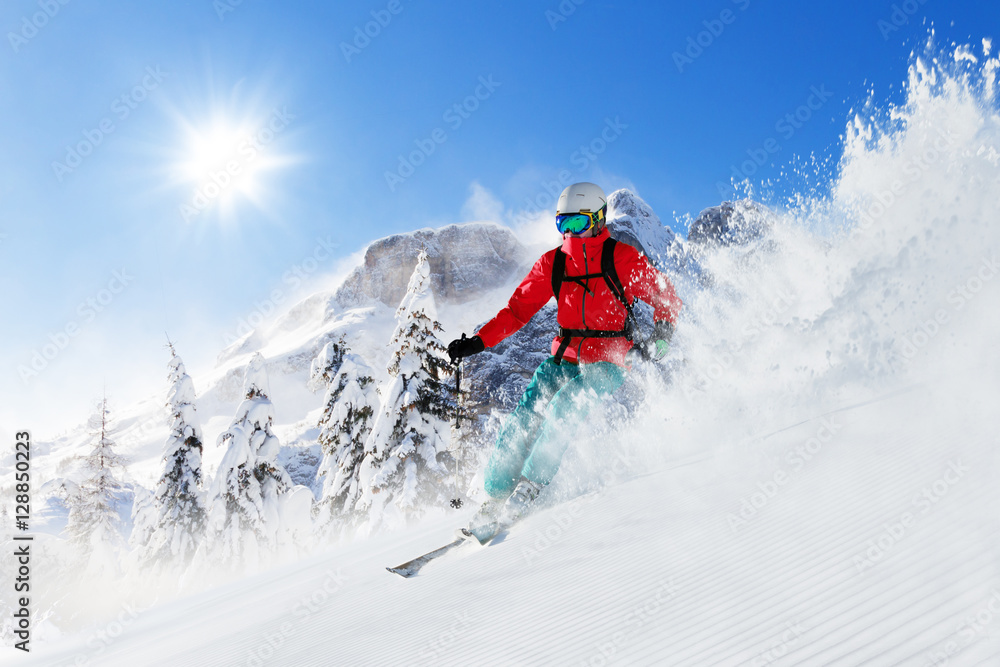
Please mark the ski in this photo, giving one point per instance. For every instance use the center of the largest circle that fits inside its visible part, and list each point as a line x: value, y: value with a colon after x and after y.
x: 462, y: 536
x: 410, y: 568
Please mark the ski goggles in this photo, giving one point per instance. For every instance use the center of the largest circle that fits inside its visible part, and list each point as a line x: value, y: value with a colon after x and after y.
x: 577, y: 223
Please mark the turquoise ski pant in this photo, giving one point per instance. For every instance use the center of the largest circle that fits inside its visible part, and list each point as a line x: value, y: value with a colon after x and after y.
x: 534, y: 437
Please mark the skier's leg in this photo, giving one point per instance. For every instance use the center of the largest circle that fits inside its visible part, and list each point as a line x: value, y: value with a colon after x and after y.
x: 565, y: 412
x: 521, y: 426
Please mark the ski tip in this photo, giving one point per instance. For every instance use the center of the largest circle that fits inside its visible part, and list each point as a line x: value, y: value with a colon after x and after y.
x: 401, y: 571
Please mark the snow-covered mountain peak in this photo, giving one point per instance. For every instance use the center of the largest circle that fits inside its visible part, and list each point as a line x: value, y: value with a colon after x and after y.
x: 464, y: 260
x: 302, y: 318
x: 731, y: 223
x: 633, y: 221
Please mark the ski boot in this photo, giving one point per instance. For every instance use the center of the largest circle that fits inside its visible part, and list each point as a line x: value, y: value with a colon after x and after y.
x: 484, y: 523
x: 519, y: 503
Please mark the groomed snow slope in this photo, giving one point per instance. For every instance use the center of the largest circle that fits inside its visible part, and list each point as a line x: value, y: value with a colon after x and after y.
x: 650, y: 571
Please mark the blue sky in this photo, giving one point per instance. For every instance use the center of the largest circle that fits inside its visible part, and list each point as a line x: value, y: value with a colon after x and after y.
x: 115, y: 116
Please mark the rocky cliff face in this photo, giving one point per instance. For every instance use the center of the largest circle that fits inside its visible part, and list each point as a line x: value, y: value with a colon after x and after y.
x: 465, y: 260
x: 731, y: 223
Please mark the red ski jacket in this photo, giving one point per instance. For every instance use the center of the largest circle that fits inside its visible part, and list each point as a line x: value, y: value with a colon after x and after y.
x: 593, y: 308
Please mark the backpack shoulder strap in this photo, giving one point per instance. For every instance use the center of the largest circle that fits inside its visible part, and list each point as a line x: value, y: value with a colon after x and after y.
x: 610, y: 272
x: 558, y: 271
x: 614, y: 283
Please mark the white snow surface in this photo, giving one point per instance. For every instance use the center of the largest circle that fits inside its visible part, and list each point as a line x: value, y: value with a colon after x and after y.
x: 816, y: 485
x: 648, y: 571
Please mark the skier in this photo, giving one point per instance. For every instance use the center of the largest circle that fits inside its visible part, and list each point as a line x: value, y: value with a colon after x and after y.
x: 595, y: 281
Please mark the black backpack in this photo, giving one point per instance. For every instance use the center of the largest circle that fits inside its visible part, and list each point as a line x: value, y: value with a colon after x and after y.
x: 610, y: 275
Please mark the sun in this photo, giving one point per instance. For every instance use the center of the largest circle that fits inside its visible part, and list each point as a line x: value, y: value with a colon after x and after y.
x: 223, y: 162
x: 211, y: 148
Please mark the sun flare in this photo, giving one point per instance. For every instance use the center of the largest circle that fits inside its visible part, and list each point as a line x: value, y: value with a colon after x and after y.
x: 223, y: 162
x: 211, y: 149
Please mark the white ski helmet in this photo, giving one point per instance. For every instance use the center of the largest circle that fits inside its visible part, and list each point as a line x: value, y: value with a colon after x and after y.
x: 581, y: 206
x: 581, y: 197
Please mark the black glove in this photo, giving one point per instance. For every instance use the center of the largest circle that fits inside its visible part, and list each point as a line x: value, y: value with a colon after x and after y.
x: 660, y: 342
x: 465, y: 347
x: 663, y: 331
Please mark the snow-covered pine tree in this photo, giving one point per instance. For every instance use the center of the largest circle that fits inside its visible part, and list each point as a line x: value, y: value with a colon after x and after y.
x: 143, y: 517
x: 243, y: 514
x: 93, y: 525
x: 407, y: 462
x: 177, y: 502
x: 326, y: 364
x: 348, y: 412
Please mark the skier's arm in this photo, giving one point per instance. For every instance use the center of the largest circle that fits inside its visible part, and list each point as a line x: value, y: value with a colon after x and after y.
x: 641, y: 279
x: 655, y: 288
x: 529, y: 297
